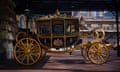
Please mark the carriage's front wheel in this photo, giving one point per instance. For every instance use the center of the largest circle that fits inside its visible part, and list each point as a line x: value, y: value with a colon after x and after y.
x: 27, y: 51
x: 98, y: 53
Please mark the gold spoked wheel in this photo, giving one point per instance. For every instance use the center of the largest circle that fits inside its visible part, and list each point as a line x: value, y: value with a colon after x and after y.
x: 98, y: 53
x: 27, y: 51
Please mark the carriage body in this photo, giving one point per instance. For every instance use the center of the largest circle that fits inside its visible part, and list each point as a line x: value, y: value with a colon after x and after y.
x: 58, y: 32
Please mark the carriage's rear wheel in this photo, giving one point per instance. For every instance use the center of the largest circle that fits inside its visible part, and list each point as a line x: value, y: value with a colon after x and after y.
x: 98, y: 53
x: 27, y: 51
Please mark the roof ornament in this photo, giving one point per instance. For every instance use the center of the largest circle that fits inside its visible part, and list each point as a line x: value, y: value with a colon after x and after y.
x: 57, y: 12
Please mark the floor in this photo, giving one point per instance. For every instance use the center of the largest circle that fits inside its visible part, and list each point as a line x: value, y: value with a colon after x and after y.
x: 65, y: 63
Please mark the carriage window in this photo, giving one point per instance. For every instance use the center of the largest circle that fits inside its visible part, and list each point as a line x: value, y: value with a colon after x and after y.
x: 58, y: 29
x: 70, y: 28
x: 44, y: 29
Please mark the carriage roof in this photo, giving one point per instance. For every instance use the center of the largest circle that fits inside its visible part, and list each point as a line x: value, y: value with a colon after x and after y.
x: 56, y: 16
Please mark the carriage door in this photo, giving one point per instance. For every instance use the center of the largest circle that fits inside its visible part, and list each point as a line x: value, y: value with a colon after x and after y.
x: 58, y: 33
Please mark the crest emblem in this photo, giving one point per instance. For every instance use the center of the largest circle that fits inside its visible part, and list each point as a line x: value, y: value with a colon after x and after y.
x: 58, y: 42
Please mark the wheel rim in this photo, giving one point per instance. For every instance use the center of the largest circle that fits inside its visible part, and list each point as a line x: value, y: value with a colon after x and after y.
x: 27, y: 51
x: 98, y: 53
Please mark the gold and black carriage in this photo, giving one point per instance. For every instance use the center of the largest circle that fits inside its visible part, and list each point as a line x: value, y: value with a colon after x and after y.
x: 58, y: 34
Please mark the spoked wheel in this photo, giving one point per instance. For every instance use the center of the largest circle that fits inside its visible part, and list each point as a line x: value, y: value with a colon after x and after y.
x: 27, y: 51
x: 98, y: 53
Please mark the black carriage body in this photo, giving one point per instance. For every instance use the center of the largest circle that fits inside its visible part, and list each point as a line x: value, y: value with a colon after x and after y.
x: 58, y: 32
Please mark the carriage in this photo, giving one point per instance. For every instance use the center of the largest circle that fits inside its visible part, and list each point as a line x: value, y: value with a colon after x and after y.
x: 58, y: 34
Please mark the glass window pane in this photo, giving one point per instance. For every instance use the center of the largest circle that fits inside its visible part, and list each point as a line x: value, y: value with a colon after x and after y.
x: 44, y: 29
x: 58, y: 28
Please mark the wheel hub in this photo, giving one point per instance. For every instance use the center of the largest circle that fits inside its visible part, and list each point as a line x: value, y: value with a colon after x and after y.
x: 98, y: 54
x: 27, y: 50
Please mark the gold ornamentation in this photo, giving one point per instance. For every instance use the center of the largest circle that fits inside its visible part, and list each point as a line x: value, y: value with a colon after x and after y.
x: 56, y: 15
x: 58, y: 42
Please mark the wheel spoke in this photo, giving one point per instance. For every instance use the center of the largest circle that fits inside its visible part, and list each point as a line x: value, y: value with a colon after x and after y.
x: 102, y: 59
x: 104, y: 55
x: 34, y: 47
x: 104, y: 50
x: 22, y: 43
x: 92, y: 51
x: 97, y: 60
x: 20, y: 46
x: 28, y: 59
x: 35, y: 54
x: 20, y: 50
x: 31, y: 42
x: 32, y: 58
x: 22, y: 59
x: 95, y: 48
x: 94, y: 56
x: 21, y: 55
x: 35, y: 51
